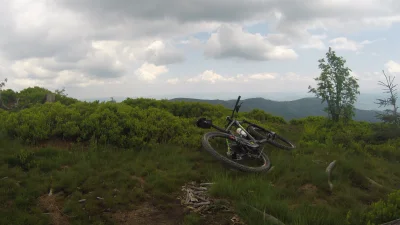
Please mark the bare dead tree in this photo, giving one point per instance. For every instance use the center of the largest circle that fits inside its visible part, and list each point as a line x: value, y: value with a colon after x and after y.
x: 390, y: 115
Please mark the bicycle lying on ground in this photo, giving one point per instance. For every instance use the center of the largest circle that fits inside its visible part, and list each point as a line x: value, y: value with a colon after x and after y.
x: 245, y: 143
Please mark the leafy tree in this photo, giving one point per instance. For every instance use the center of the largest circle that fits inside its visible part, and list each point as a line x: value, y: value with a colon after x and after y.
x: 33, y: 95
x: 62, y: 96
x: 61, y: 92
x: 2, y: 85
x: 9, y: 97
x: 337, y: 87
x: 390, y: 116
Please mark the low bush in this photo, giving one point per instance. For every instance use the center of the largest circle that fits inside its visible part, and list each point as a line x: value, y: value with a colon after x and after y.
x: 105, y: 123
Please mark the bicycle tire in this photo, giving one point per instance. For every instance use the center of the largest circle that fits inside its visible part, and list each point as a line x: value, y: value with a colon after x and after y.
x: 252, y: 129
x: 265, y: 167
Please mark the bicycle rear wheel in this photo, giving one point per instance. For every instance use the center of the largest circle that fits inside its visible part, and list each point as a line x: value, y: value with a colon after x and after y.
x: 214, y: 141
x: 278, y: 141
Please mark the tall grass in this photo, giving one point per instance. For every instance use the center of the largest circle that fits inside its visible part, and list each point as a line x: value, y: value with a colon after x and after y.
x: 133, y: 152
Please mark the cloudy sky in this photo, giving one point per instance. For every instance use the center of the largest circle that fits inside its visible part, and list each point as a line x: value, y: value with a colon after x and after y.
x: 103, y: 48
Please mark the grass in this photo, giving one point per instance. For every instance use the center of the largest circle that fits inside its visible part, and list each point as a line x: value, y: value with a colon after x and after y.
x: 112, y: 180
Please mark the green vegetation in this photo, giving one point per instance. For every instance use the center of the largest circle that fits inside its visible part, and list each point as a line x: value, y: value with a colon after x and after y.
x: 102, y: 161
x: 337, y: 87
x: 289, y: 110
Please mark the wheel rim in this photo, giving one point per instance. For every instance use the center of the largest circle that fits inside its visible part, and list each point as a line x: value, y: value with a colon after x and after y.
x: 220, y: 146
x: 277, y: 140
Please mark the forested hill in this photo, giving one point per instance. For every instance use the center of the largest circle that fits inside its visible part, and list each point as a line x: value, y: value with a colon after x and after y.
x: 287, y: 109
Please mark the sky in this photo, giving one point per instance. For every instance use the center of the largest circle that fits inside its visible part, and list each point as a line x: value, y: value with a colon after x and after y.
x: 136, y: 48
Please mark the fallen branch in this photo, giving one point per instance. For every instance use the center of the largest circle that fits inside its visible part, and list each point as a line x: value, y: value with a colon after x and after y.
x: 196, y: 197
x: 206, y: 184
x: 374, y: 182
x: 201, y: 203
x: 329, y: 172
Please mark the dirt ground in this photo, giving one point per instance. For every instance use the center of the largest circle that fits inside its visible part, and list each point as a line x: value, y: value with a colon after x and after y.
x: 145, y: 214
x: 50, y: 205
x: 149, y: 214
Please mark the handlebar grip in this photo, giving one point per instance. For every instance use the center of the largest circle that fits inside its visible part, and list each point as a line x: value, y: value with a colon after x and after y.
x: 237, y: 101
x: 234, y: 108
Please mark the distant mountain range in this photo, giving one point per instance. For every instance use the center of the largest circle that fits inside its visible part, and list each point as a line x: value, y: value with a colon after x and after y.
x: 364, y: 101
x: 289, y: 105
x: 287, y: 109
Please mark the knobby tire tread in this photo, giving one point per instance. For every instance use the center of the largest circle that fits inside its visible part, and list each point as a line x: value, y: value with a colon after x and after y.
x: 229, y: 162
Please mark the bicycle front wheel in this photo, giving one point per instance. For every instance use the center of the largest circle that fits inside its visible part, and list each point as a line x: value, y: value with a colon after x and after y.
x: 260, y: 133
x: 224, y: 147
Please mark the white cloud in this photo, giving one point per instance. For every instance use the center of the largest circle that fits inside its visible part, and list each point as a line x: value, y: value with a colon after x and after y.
x: 231, y: 41
x: 291, y: 76
x: 160, y: 53
x: 67, y: 77
x: 315, y: 42
x: 149, y: 72
x: 279, y: 39
x: 213, y: 77
x: 31, y: 67
x: 31, y: 72
x: 343, y: 43
x: 173, y: 81
x: 85, y: 43
x: 366, y: 76
x: 210, y: 76
x: 392, y: 66
x: 262, y: 76
x: 193, y: 43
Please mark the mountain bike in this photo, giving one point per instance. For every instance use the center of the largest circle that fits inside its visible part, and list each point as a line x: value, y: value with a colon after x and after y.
x: 242, y: 145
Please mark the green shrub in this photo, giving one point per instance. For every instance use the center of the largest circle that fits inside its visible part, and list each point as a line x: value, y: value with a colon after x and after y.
x: 389, y: 150
x: 180, y: 108
x: 8, y: 96
x: 30, y: 125
x: 335, y: 134
x: 103, y: 123
x: 262, y: 116
x: 309, y: 119
x: 3, y: 118
x: 384, y: 210
x: 383, y: 132
x: 23, y: 159
x: 31, y: 96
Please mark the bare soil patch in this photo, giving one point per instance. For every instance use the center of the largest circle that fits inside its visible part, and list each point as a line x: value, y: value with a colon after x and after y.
x: 308, y: 189
x: 149, y: 214
x: 51, y: 207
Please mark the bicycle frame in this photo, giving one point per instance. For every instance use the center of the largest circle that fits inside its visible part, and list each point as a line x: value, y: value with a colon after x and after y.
x: 234, y: 122
x: 237, y: 124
